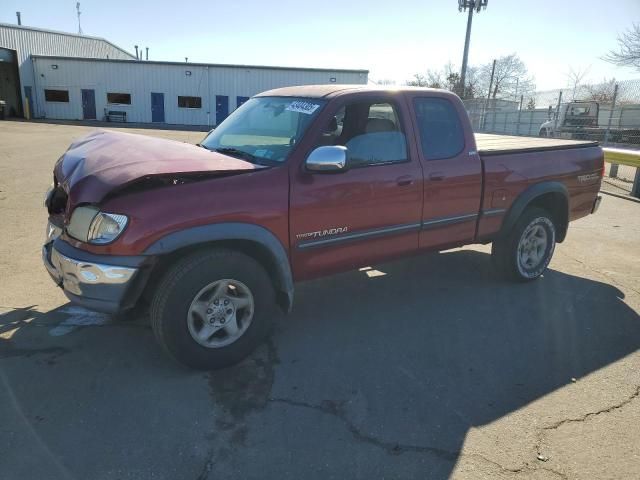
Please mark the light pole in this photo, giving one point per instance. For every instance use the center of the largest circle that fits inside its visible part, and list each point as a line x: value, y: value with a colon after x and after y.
x: 471, y: 5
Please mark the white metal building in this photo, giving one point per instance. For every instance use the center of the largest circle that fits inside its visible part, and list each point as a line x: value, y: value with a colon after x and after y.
x: 64, y: 76
x: 18, y: 43
x: 163, y: 92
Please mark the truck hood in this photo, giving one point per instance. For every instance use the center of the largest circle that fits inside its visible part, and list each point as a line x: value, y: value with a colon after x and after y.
x: 104, y: 161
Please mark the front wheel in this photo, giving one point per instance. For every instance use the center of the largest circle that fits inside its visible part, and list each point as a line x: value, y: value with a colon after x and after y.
x: 213, y: 308
x: 525, y: 252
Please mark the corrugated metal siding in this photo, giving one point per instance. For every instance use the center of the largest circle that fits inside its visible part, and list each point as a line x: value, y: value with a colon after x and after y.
x: 27, y: 42
x: 140, y: 79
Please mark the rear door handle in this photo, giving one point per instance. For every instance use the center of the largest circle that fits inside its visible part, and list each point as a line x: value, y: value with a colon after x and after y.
x: 404, y: 180
x: 436, y: 176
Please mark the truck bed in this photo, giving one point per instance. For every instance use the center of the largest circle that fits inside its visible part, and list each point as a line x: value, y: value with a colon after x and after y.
x: 490, y: 144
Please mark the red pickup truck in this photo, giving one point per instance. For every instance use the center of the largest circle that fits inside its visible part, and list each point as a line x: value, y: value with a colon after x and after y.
x: 299, y: 183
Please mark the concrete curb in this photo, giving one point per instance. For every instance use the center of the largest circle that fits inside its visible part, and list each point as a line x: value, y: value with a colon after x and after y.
x: 619, y: 195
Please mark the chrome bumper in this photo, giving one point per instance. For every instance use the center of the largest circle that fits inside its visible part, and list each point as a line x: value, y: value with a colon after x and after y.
x: 96, y: 286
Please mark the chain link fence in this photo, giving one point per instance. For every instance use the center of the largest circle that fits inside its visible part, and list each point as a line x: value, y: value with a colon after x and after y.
x: 607, y: 112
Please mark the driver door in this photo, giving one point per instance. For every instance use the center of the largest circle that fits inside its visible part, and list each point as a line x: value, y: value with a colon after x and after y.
x: 369, y: 212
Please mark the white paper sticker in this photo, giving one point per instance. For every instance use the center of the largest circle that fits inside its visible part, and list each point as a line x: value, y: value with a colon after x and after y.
x: 303, y: 107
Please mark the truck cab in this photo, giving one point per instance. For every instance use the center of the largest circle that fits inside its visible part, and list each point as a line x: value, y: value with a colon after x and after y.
x: 571, y: 119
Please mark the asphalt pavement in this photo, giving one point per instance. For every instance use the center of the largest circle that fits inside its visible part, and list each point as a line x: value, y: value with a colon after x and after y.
x: 422, y: 368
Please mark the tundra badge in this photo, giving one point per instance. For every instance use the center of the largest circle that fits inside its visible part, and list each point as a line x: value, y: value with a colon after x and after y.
x: 322, y: 233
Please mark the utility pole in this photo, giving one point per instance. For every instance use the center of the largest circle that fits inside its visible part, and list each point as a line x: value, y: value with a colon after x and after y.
x: 79, y: 12
x: 472, y: 5
x: 493, y: 71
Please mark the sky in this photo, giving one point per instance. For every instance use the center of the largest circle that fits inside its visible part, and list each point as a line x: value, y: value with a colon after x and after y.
x: 391, y: 39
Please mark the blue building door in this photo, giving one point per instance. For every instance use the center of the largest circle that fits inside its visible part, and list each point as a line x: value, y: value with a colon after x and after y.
x: 240, y: 101
x: 88, y: 104
x: 222, y: 108
x: 157, y: 107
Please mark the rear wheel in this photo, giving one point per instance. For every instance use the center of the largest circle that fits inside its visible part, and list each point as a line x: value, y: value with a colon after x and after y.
x: 213, y: 308
x: 525, y: 252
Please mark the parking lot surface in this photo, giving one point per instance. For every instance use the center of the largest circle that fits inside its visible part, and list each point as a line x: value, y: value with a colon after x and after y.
x: 421, y: 368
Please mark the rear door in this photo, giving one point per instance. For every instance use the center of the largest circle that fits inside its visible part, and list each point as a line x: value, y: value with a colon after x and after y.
x: 452, y: 172
x: 368, y: 213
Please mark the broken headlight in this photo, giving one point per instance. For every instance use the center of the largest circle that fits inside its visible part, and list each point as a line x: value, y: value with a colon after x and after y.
x: 88, y: 224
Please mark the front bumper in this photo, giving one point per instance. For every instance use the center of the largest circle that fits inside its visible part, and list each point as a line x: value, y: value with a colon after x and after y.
x: 97, y: 282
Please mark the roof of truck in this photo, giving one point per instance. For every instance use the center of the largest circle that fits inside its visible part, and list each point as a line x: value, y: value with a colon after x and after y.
x: 324, y: 91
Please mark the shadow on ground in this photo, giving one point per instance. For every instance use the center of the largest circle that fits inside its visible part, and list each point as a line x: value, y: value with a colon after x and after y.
x: 373, y: 375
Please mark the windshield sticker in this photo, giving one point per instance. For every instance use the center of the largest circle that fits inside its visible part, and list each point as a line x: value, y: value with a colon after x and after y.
x: 303, y: 107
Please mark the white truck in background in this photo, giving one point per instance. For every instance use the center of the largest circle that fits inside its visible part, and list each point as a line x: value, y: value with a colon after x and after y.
x: 579, y: 120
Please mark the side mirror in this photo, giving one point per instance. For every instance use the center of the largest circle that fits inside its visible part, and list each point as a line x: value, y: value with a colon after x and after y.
x: 327, y: 159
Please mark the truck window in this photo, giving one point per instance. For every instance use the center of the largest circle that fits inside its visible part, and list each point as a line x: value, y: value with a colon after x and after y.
x: 441, y: 133
x: 371, y: 131
x: 265, y: 128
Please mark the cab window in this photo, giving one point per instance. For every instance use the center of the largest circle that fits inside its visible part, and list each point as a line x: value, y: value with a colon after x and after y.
x: 371, y: 131
x: 441, y: 133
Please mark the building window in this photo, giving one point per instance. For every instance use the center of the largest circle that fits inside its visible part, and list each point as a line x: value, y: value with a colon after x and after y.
x: 56, y: 96
x: 190, y: 102
x: 119, y: 98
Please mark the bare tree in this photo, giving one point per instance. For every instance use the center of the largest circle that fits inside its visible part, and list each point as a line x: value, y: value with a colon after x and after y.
x: 418, y: 80
x: 574, y: 79
x: 510, y: 80
x: 601, y: 92
x: 472, y: 89
x: 628, y: 53
x: 448, y: 78
x: 434, y: 79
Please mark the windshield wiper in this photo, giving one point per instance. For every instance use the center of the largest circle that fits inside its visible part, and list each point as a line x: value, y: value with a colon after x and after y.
x: 234, y: 152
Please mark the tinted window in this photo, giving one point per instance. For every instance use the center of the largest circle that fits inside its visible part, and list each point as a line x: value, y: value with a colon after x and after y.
x: 441, y: 134
x: 190, y: 102
x: 56, y: 96
x: 119, y: 98
x: 371, y: 132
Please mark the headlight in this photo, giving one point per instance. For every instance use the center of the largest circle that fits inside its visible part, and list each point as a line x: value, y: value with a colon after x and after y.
x: 47, y: 194
x: 88, y: 224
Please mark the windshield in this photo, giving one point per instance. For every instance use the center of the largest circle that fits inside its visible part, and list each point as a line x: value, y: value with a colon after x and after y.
x: 264, y: 129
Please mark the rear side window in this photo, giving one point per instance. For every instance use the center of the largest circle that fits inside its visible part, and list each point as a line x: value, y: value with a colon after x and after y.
x: 441, y: 133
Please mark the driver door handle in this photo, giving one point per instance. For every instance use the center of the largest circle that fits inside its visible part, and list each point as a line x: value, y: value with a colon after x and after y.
x: 404, y: 180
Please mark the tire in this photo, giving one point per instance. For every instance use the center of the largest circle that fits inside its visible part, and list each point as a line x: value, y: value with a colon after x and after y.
x: 181, y: 325
x: 524, y: 253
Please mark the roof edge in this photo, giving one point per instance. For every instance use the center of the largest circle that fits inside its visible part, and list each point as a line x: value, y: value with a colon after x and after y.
x: 197, y: 64
x: 58, y: 32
